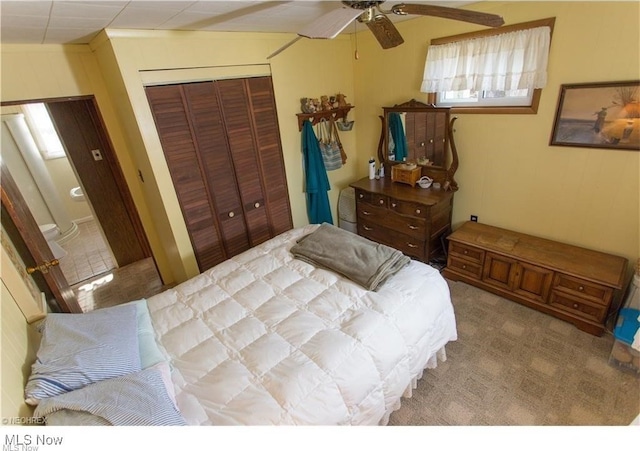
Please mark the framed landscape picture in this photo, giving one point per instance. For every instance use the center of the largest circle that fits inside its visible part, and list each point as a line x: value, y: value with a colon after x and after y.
x: 603, y: 115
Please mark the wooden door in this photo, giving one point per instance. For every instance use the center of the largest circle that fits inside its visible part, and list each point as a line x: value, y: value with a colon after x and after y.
x: 269, y: 147
x: 215, y: 159
x: 26, y: 236
x: 222, y: 144
x: 180, y: 146
x: 89, y: 149
x: 241, y: 133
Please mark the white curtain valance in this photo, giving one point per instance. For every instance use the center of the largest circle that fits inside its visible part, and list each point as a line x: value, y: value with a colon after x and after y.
x: 516, y: 60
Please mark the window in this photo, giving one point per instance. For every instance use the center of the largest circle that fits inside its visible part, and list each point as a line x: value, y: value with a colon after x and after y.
x: 43, y: 131
x: 491, y: 71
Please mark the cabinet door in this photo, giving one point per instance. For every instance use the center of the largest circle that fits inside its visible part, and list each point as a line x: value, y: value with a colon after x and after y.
x: 533, y: 282
x: 499, y: 271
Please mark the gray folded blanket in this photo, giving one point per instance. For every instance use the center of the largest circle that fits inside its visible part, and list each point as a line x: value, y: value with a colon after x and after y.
x: 360, y: 260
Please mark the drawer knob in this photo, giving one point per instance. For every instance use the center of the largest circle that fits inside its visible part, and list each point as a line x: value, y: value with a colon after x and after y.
x: 367, y: 228
x: 412, y: 245
x: 575, y: 306
x: 381, y: 201
x: 580, y: 288
x: 231, y: 214
x: 464, y: 266
x: 412, y: 227
x: 361, y: 196
x: 465, y: 252
x: 431, y: 141
x: 257, y: 205
x: 393, y: 205
x: 417, y: 211
x: 365, y: 212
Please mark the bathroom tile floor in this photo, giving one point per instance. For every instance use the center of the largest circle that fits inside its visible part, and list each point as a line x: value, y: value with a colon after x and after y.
x: 88, y: 254
x: 92, y: 273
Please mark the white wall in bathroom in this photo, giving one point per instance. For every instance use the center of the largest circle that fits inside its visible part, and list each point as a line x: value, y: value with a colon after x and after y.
x: 21, y: 175
x: 64, y: 178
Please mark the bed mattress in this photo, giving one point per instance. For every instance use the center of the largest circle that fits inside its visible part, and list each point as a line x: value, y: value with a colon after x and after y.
x: 264, y: 339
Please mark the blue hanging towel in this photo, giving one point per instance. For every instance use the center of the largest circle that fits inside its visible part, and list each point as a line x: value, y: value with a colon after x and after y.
x: 316, y: 180
x: 399, y: 138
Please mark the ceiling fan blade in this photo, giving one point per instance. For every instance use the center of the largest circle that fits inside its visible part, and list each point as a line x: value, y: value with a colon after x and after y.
x: 385, y: 31
x: 284, y: 47
x: 489, y: 20
x: 329, y: 25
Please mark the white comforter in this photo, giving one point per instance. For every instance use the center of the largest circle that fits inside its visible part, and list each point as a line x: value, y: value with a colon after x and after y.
x: 264, y: 339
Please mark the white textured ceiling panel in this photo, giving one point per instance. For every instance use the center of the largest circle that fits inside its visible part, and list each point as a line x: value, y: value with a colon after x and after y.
x: 77, y: 22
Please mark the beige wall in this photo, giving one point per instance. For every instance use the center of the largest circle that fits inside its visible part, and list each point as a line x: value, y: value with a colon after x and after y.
x: 509, y: 175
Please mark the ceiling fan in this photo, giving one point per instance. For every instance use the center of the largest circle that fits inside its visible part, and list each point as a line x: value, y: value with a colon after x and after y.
x: 371, y: 14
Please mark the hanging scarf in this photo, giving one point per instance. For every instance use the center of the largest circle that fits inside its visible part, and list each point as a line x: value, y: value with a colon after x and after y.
x: 316, y: 180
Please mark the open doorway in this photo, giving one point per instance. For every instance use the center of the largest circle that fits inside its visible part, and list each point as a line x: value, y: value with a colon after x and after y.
x: 76, y: 192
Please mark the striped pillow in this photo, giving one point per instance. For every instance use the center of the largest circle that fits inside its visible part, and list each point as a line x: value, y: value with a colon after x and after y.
x: 80, y: 349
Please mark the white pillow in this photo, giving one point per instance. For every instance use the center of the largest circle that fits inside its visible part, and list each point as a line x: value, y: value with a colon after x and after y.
x: 83, y: 348
x: 150, y: 353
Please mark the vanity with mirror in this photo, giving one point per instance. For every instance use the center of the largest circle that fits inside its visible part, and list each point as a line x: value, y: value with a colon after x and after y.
x: 410, y: 218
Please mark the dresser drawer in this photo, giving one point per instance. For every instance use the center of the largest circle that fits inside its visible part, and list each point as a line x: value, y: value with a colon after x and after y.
x: 379, y: 200
x: 464, y: 267
x: 372, y: 213
x: 409, y: 245
x: 407, y: 225
x: 467, y: 252
x: 583, y: 289
x: 375, y: 232
x: 409, y: 208
x: 578, y: 306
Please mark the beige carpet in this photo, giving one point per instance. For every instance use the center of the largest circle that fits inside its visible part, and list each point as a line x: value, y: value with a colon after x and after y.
x: 512, y: 365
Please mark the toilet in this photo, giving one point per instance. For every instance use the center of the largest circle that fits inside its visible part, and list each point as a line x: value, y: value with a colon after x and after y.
x: 50, y: 233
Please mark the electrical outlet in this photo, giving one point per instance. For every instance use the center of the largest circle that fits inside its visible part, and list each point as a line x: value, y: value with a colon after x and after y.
x: 474, y: 218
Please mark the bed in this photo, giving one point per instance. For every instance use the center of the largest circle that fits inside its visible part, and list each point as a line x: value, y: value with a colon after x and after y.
x: 265, y: 338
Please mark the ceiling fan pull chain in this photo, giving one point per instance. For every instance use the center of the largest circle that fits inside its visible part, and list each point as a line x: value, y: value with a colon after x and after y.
x: 355, y: 34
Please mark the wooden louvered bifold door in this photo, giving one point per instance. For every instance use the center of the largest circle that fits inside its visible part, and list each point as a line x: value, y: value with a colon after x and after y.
x: 217, y: 166
x: 265, y: 122
x: 222, y: 146
x: 177, y: 136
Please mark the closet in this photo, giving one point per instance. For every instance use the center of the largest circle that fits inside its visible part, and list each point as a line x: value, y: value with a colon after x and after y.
x: 222, y: 145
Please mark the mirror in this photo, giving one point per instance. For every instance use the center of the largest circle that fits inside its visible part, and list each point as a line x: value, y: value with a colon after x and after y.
x: 420, y: 133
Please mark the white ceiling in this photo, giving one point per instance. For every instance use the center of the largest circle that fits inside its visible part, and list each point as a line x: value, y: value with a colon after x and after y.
x: 77, y: 22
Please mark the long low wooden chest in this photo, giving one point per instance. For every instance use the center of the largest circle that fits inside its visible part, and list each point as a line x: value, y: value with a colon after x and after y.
x: 571, y: 283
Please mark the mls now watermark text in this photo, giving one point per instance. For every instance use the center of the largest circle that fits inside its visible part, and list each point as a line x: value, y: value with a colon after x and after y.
x: 28, y: 442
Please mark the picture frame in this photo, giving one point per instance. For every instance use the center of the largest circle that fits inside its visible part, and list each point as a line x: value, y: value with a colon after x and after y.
x: 602, y: 115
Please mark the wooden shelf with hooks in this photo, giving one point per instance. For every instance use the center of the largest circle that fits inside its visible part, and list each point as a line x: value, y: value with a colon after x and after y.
x: 335, y: 113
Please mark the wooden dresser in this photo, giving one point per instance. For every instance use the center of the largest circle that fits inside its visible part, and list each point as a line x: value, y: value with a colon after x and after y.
x: 571, y: 283
x: 410, y: 219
